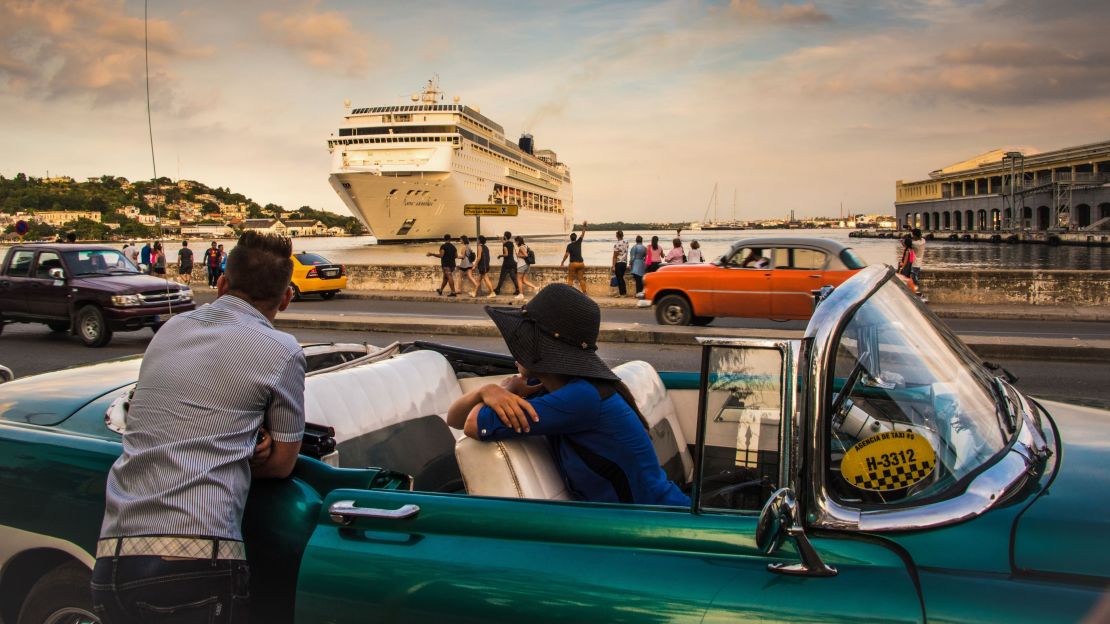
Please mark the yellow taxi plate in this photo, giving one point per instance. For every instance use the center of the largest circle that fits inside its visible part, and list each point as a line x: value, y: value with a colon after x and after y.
x: 892, y: 460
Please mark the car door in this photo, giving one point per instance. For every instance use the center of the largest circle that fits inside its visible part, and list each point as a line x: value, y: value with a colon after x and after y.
x: 743, y: 288
x: 402, y: 556
x: 798, y: 272
x: 13, y: 283
x: 46, y: 296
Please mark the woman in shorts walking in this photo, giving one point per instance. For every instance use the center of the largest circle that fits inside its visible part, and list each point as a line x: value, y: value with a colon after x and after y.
x: 481, y: 264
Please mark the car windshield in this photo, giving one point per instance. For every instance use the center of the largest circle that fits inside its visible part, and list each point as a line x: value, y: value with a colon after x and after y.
x: 851, y: 259
x: 99, y: 262
x: 912, y: 410
x: 311, y: 259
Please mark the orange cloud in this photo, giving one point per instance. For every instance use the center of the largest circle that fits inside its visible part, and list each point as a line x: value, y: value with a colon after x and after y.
x: 323, y: 39
x: 84, y: 48
x: 755, y: 11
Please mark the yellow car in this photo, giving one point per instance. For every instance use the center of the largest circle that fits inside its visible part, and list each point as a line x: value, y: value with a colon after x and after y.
x: 314, y: 274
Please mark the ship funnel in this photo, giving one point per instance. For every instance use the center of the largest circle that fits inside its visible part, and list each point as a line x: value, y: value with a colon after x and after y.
x: 525, y: 143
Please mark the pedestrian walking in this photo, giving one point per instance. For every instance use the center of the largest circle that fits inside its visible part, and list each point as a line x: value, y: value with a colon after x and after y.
x: 620, y: 263
x: 212, y: 264
x: 158, y: 259
x: 467, y: 256
x: 447, y: 255
x: 638, y: 257
x: 185, y: 263
x: 677, y: 254
x: 482, y: 266
x: 525, y: 258
x: 508, y: 265
x: 576, y: 270
x: 219, y: 402
x: 654, y: 255
x: 694, y: 255
x: 133, y: 253
x: 905, y: 263
x: 918, y: 257
x: 221, y: 255
x: 144, y: 257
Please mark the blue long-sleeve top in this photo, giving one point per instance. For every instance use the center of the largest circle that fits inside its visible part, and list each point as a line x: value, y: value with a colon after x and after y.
x: 638, y: 257
x: 603, y: 451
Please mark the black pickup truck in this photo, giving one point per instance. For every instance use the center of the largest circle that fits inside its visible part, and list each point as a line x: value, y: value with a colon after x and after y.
x: 88, y: 290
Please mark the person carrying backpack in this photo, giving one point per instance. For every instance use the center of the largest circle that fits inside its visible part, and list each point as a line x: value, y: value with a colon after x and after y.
x: 525, y: 258
x: 466, y: 262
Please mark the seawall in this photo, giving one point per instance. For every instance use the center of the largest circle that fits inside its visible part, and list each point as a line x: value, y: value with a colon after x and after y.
x: 948, y: 286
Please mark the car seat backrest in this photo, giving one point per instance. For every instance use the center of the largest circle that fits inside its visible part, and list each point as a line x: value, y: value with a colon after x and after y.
x: 663, y: 424
x: 391, y: 414
x: 520, y: 468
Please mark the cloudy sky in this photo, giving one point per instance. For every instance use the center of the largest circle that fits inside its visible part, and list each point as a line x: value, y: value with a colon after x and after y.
x: 797, y: 105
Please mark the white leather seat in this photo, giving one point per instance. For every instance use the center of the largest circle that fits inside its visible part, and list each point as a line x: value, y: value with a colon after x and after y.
x: 374, y: 396
x: 662, y: 417
x: 521, y: 468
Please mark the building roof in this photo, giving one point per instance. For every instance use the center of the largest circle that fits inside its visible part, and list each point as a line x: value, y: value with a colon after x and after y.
x: 259, y: 224
x: 301, y: 222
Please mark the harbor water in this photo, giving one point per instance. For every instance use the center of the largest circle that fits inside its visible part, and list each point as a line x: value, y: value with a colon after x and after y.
x: 598, y: 247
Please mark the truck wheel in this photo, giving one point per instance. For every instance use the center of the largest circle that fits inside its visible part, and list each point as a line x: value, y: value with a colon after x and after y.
x: 673, y: 310
x: 92, y: 328
x: 329, y: 294
x: 62, y: 595
x: 58, y: 326
x: 701, y: 321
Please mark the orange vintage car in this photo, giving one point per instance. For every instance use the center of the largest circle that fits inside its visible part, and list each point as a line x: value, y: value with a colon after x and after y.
x: 758, y: 278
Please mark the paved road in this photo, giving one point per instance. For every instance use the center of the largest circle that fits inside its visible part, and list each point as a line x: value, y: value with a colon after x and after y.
x: 30, y: 349
x: 982, y: 327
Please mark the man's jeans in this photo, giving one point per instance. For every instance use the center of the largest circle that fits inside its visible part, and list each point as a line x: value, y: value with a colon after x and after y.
x: 915, y: 275
x: 507, y: 271
x: 156, y: 589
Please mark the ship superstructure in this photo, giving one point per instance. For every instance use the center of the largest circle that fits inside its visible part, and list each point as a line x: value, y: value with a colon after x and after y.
x: 406, y: 171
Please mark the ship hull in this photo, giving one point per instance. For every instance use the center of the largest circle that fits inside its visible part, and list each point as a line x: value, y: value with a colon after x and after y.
x: 405, y: 206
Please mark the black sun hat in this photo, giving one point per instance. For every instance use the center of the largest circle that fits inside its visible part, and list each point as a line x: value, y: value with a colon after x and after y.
x: 556, y: 332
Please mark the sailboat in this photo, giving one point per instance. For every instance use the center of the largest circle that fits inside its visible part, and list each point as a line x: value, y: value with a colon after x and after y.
x: 717, y: 224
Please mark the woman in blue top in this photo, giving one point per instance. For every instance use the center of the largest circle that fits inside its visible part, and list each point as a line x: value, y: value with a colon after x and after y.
x: 637, y: 257
x: 596, y: 433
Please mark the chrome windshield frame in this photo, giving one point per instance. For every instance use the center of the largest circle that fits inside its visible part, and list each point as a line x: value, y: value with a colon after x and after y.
x: 822, y: 509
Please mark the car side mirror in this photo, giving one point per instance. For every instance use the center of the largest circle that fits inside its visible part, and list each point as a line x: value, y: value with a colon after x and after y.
x: 57, y: 274
x: 779, y: 520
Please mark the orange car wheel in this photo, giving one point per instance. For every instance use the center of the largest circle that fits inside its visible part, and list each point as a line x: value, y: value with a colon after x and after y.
x: 673, y: 310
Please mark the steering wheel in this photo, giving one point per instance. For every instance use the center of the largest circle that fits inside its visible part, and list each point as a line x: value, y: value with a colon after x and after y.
x: 839, y: 404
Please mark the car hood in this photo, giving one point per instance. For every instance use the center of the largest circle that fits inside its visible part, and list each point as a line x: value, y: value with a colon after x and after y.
x: 125, y: 283
x: 50, y: 398
x: 1067, y: 529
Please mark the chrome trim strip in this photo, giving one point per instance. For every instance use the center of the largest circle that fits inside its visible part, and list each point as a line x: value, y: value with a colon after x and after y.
x: 807, y: 295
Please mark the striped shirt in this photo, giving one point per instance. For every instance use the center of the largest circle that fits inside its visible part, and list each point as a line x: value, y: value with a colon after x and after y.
x: 209, y: 379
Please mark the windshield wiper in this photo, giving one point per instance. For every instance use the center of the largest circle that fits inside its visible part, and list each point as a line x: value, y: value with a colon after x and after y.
x: 1006, y: 405
x: 93, y: 273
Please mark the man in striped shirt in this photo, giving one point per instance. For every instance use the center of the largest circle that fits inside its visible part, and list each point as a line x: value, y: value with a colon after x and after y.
x: 219, y: 401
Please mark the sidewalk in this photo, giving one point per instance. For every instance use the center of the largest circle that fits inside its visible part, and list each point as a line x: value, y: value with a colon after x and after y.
x: 943, y: 310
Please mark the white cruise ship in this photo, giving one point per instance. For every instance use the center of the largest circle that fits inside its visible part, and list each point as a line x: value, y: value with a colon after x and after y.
x: 406, y: 172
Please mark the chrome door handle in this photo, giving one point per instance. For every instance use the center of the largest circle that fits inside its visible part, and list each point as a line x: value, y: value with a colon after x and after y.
x: 345, y: 512
x: 818, y: 275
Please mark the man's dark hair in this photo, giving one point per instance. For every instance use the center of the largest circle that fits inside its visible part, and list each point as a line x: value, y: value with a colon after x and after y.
x: 508, y: 235
x: 519, y: 240
x: 573, y: 237
x: 184, y: 243
x: 620, y: 234
x: 481, y: 239
x: 71, y: 237
x: 446, y: 237
x: 917, y: 233
x: 259, y: 268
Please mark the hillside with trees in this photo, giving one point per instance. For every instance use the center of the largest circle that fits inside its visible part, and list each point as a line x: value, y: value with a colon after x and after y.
x: 130, y: 210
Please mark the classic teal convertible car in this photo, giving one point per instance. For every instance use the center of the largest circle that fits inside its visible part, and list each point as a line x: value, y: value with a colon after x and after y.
x: 874, y: 469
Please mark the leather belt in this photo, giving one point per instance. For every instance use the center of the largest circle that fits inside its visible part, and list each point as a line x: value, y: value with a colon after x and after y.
x: 171, y: 546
